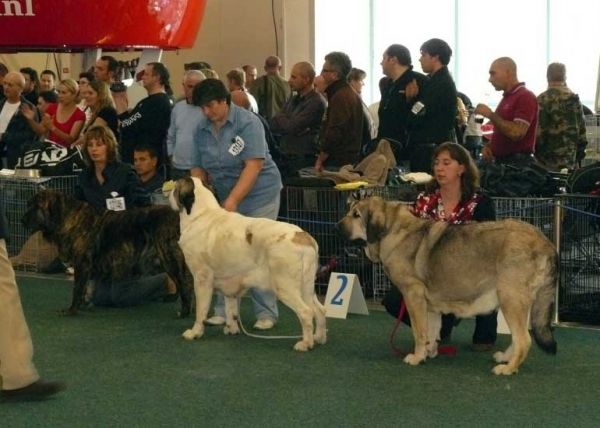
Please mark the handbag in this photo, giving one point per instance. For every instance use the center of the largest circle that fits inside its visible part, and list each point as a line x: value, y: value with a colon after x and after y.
x: 52, y: 159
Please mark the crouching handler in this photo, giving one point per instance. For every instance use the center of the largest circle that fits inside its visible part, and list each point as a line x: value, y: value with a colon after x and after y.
x: 109, y: 184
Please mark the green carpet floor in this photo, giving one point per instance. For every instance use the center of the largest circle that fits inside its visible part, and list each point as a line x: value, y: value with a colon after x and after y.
x: 130, y: 368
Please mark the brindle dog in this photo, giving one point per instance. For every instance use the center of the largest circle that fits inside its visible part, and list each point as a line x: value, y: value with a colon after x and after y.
x: 112, y: 245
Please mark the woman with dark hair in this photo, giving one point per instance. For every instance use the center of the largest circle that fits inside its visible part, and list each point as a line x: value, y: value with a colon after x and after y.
x: 102, y: 107
x: 105, y: 176
x: 232, y: 149
x: 45, y: 98
x: 453, y: 196
x: 32, y: 84
x: 84, y: 80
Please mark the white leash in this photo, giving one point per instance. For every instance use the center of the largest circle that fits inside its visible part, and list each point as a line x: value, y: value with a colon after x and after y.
x: 258, y: 336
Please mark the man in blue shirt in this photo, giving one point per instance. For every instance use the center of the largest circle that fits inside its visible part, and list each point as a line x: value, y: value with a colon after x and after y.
x: 231, y: 148
x: 184, y: 120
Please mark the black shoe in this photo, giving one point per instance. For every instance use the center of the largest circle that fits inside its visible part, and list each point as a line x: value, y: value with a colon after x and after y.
x: 37, y: 391
x: 56, y: 266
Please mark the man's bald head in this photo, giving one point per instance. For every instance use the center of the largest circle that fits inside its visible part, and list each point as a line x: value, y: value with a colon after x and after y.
x: 13, y: 86
x: 503, y: 74
x: 305, y: 69
x: 272, y: 65
x: 16, y: 78
x: 302, y: 78
x: 507, y: 64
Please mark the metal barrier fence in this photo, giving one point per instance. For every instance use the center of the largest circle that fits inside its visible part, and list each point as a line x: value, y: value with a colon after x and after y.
x: 579, y: 243
x: 28, y: 253
x: 572, y: 222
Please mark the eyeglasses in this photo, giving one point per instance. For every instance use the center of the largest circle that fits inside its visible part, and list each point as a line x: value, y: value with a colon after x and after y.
x: 325, y: 70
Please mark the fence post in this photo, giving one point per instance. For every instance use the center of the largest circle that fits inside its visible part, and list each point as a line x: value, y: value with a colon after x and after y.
x: 557, y: 234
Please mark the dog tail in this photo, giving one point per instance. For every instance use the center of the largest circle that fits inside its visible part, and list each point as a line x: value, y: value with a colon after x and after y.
x: 541, y: 310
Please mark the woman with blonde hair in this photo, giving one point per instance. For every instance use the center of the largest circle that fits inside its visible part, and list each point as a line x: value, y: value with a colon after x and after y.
x: 64, y: 120
x: 102, y: 107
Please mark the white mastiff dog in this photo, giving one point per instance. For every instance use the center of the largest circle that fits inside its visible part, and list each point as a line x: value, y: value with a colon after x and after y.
x: 232, y: 253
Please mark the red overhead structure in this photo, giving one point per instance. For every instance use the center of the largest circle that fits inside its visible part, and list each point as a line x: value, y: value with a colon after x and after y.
x: 44, y: 25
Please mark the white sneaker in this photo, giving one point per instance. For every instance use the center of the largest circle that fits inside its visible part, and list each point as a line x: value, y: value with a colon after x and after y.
x: 215, y: 320
x: 264, y: 324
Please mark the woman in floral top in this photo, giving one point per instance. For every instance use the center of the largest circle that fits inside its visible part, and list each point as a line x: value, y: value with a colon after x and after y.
x: 453, y: 196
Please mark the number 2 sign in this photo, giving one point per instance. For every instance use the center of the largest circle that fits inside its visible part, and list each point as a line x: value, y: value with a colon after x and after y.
x: 344, y: 295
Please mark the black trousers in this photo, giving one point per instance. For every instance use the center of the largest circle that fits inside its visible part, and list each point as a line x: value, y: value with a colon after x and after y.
x: 486, y: 326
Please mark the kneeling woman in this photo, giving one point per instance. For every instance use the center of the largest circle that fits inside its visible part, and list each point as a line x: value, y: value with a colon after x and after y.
x: 453, y: 196
x: 107, y: 183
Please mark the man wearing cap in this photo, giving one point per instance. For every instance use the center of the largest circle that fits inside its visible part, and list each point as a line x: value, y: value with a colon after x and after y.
x: 515, y: 119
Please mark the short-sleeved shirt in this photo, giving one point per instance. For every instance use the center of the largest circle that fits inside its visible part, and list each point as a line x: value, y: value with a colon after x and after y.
x: 67, y: 126
x: 518, y: 104
x: 222, y: 155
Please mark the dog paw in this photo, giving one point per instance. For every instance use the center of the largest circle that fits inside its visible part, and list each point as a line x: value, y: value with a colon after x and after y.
x: 190, y: 334
x: 302, y: 346
x: 432, y: 353
x: 321, y: 339
x: 503, y: 369
x: 500, y: 357
x: 412, y: 359
x: 233, y: 329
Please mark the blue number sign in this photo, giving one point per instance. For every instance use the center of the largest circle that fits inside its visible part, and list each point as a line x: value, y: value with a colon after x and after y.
x: 336, y: 299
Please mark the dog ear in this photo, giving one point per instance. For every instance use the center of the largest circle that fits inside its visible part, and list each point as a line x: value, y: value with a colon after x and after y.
x: 184, y: 194
x: 374, y: 215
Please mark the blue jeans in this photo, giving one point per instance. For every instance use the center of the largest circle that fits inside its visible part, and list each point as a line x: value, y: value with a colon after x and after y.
x: 263, y: 301
x: 130, y: 292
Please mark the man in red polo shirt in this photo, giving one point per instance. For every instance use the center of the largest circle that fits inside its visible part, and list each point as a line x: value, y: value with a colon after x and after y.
x: 515, y: 119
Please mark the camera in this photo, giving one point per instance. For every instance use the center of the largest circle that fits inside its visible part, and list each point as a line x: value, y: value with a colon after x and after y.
x: 118, y: 87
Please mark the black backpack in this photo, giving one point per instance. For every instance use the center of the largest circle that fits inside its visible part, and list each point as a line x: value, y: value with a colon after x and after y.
x: 584, y: 180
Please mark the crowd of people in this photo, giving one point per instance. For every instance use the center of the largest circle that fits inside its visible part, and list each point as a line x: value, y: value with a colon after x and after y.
x: 246, y: 135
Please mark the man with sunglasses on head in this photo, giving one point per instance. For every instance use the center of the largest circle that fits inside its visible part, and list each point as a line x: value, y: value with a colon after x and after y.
x: 341, y: 134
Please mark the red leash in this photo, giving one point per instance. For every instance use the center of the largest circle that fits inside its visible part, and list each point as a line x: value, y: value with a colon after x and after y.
x: 446, y: 350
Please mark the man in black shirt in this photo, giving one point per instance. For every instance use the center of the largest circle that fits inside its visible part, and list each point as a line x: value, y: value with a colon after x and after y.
x: 395, y: 106
x: 149, y: 121
x: 433, y: 115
